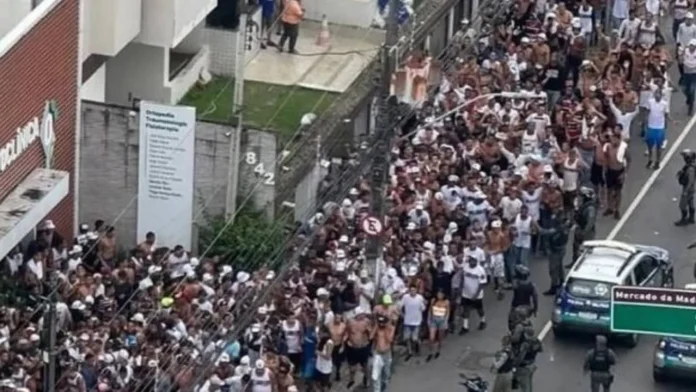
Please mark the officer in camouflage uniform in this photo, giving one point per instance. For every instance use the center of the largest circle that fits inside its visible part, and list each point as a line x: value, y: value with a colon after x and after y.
x: 585, y: 219
x: 557, y: 234
x: 687, y: 180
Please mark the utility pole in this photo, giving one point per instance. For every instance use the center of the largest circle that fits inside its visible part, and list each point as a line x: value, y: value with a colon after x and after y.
x: 50, y: 321
x: 608, y: 11
x: 237, y: 111
x: 386, y: 119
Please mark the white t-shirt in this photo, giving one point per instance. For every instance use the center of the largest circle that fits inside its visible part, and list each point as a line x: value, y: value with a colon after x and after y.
x: 511, y: 207
x: 540, y: 121
x: 448, y: 263
x: 478, y: 212
x: 414, y: 305
x: 421, y: 220
x: 533, y: 202
x: 657, y: 113
x: 476, y: 253
x: 368, y: 289
x: 474, y: 278
x: 523, y: 239
x: 292, y: 337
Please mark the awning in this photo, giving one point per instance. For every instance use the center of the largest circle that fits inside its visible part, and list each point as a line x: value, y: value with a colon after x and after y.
x: 29, y: 203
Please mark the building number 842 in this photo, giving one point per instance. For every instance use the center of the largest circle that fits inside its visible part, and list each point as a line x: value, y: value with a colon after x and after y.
x: 252, y: 159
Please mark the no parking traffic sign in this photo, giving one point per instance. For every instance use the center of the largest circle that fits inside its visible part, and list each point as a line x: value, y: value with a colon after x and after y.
x: 371, y: 226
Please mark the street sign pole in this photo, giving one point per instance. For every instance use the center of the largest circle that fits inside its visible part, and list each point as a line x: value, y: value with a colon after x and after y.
x: 653, y: 311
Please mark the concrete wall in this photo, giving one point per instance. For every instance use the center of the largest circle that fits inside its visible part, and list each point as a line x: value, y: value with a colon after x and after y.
x: 13, y: 11
x: 109, y: 153
x: 307, y: 191
x: 223, y: 46
x: 108, y: 26
x: 94, y: 89
x: 187, y: 78
x: 357, y: 13
x: 137, y: 72
x: 150, y: 81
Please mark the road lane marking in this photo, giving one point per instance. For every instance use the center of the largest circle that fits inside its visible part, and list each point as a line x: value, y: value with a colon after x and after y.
x: 639, y: 197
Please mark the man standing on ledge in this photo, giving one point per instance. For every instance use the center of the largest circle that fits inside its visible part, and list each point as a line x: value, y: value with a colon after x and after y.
x: 292, y: 16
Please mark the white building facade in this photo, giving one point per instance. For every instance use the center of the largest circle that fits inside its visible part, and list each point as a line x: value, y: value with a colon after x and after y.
x: 142, y: 49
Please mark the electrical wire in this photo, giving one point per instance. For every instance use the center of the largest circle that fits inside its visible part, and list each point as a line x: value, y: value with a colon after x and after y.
x: 277, y: 280
x: 280, y: 276
x: 120, y: 214
x: 241, y: 302
x: 202, y: 210
x: 220, y: 232
x: 174, y: 217
x: 242, y: 322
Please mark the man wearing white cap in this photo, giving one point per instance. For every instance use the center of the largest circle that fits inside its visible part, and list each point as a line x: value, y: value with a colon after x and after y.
x: 419, y: 216
x: 680, y: 9
x: 478, y: 208
x: 685, y: 33
x: 358, y: 346
x: 261, y: 378
x: 392, y: 284
x: 347, y: 209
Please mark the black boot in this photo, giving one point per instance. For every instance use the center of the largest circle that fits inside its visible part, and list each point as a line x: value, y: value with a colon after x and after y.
x: 551, y: 291
x: 683, y: 221
x: 692, y: 216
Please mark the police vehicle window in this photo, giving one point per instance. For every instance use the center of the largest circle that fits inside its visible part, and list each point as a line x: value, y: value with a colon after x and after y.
x: 589, y: 288
x: 645, y: 268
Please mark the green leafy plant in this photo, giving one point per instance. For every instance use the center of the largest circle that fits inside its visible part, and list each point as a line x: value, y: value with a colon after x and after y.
x: 11, y: 292
x: 250, y: 243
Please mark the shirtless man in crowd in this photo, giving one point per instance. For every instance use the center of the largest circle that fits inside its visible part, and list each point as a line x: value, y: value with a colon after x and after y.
x: 357, y: 345
x: 337, y: 329
x: 383, y: 336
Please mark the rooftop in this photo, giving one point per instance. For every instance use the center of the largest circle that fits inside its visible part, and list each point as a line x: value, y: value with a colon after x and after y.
x: 280, y: 87
x: 601, y: 263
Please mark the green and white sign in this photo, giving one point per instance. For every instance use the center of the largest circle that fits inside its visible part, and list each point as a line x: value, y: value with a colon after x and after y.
x: 38, y: 128
x: 653, y: 311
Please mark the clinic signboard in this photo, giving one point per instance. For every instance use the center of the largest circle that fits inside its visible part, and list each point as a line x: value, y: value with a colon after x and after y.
x: 166, y: 167
x: 38, y: 128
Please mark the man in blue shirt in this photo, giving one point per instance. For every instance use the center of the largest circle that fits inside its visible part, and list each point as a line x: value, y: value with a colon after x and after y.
x: 267, y: 22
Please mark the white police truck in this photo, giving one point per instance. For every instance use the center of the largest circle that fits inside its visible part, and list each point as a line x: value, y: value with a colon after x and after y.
x: 583, y: 302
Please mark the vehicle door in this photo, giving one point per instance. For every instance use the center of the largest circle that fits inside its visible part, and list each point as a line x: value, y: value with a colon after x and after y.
x: 647, y: 272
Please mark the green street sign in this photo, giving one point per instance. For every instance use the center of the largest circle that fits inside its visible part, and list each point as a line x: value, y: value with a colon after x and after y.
x: 653, y: 311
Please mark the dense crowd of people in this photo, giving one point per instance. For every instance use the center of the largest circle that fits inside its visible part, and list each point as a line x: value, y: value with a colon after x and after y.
x: 478, y: 188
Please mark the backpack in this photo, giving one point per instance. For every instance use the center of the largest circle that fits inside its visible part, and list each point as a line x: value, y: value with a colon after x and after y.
x: 682, y: 175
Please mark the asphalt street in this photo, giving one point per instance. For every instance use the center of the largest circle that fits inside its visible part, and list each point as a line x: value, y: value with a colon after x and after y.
x: 648, y: 221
